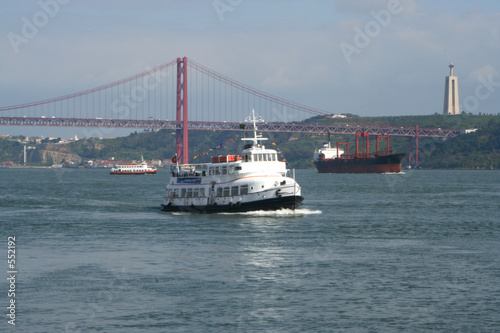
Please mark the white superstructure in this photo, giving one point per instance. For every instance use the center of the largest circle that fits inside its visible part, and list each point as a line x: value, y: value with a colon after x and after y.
x: 327, y: 152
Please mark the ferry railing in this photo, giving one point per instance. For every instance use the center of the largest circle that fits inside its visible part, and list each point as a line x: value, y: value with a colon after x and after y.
x: 189, y: 170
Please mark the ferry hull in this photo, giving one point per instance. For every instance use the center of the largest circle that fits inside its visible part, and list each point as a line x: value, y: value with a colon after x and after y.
x: 378, y: 164
x: 288, y: 202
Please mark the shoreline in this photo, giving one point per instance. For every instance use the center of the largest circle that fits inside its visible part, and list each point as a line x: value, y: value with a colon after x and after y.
x: 403, y: 170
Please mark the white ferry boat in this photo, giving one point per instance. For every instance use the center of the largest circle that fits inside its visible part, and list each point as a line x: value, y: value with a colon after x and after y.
x: 254, y: 180
x: 141, y: 168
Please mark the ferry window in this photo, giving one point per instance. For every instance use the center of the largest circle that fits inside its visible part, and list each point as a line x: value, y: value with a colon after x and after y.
x: 238, y: 168
x: 211, y: 171
x: 260, y: 157
x: 224, y: 170
x: 196, y: 192
x: 245, y: 157
x: 183, y: 193
x: 226, y: 191
x: 219, y: 191
x: 202, y: 192
x: 234, y: 190
x: 274, y: 157
x: 189, y: 193
x: 231, y: 169
x: 243, y: 189
x: 217, y: 170
x: 176, y: 193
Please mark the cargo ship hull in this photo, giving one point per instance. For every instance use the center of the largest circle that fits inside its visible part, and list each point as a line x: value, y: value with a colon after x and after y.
x: 361, y: 164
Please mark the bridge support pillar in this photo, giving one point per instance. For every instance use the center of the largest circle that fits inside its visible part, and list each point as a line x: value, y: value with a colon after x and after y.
x: 416, y: 146
x: 413, y: 145
x: 410, y: 156
x: 182, y: 137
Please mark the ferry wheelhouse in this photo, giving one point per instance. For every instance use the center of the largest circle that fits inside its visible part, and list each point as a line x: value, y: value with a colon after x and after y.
x: 254, y: 180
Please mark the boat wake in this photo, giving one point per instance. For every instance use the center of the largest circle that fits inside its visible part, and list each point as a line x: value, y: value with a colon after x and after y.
x: 277, y: 213
x: 395, y: 173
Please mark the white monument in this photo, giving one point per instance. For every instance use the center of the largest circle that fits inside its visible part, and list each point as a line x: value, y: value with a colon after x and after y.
x: 451, y: 105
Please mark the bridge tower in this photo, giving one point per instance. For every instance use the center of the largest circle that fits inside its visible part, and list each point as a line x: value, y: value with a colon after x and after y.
x: 451, y: 105
x: 181, y: 142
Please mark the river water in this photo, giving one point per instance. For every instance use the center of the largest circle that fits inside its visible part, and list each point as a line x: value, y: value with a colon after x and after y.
x: 417, y: 251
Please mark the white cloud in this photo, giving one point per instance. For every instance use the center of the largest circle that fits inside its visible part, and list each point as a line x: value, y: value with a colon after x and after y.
x: 485, y: 71
x: 365, y: 7
x: 425, y: 41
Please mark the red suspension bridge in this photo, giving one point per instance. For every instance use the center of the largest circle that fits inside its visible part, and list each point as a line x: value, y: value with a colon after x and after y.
x: 154, y: 98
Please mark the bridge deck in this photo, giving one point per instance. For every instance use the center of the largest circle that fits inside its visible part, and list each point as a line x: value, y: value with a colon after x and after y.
x: 226, y: 126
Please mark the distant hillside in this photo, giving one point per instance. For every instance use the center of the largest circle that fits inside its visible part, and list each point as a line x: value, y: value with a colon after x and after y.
x: 478, y: 150
x: 462, y: 121
x: 11, y: 150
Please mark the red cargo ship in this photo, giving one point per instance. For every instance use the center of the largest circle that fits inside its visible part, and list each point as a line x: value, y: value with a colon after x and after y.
x: 335, y: 160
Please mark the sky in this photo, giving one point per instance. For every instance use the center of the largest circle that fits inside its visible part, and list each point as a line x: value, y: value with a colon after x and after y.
x: 367, y: 57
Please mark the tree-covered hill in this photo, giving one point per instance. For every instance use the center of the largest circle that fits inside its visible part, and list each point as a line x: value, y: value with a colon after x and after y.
x: 11, y: 150
x: 479, y: 150
x: 462, y: 121
x: 476, y: 150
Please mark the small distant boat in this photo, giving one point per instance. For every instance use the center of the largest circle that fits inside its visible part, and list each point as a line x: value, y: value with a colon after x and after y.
x: 335, y: 160
x: 141, y: 168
